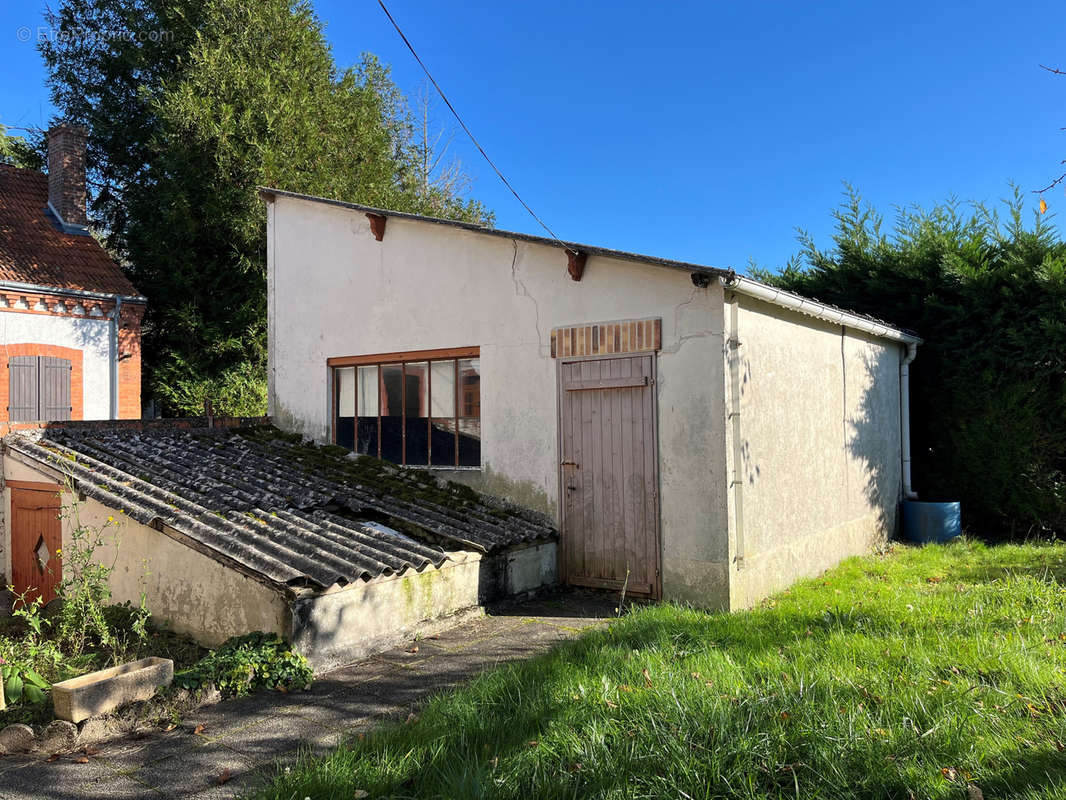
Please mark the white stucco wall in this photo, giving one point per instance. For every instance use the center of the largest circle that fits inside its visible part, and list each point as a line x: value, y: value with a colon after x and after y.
x: 91, y: 336
x: 820, y: 446
x: 336, y: 291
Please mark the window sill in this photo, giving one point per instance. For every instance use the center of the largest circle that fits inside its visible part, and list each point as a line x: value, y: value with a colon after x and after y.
x: 438, y: 468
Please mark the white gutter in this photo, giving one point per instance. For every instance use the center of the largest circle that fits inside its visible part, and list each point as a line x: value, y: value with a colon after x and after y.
x: 15, y: 286
x: 813, y: 308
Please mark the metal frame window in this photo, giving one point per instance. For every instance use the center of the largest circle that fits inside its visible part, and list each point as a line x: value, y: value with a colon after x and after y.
x: 420, y: 408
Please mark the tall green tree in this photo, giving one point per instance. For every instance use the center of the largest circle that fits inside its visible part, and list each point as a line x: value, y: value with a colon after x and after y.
x: 988, y: 390
x: 194, y: 106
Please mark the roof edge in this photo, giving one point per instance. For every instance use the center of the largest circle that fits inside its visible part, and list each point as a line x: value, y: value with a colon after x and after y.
x: 822, y: 311
x: 269, y: 194
x: 728, y: 277
x: 17, y: 286
x: 68, y: 475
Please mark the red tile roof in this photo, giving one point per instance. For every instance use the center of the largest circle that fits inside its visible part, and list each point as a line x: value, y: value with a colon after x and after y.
x: 34, y: 250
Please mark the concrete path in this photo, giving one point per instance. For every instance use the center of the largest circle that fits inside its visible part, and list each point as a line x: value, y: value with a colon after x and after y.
x: 242, y: 740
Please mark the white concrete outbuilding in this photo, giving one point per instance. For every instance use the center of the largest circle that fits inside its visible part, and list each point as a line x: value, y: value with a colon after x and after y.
x: 698, y: 436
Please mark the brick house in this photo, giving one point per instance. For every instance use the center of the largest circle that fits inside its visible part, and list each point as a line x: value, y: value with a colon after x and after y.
x: 70, y: 320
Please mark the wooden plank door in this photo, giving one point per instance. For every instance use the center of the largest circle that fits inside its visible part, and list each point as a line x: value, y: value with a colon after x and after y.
x: 609, y: 474
x: 36, y: 536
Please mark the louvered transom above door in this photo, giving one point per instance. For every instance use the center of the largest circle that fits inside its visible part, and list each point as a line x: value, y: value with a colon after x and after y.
x: 609, y: 473
x: 38, y: 388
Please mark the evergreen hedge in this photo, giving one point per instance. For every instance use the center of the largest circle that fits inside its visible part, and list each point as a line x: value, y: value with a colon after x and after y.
x: 988, y: 389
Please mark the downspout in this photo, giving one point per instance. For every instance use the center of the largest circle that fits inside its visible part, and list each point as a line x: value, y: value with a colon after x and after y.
x: 734, y: 418
x: 115, y: 314
x: 905, y: 418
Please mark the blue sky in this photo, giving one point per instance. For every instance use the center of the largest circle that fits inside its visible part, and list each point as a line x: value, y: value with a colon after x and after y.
x: 706, y: 131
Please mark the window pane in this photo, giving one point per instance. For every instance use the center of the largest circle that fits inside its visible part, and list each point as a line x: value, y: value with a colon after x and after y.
x: 443, y: 388
x: 346, y: 392
x: 416, y: 412
x: 470, y: 387
x: 469, y: 442
x: 392, y: 413
x: 470, y: 412
x: 443, y: 400
x: 344, y: 403
x: 367, y: 429
x: 443, y: 443
x: 368, y: 391
x: 367, y: 443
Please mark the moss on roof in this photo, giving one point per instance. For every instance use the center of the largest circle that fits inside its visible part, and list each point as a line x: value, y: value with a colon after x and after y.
x: 382, y: 478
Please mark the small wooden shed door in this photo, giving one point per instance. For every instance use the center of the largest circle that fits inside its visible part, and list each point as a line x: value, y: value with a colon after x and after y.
x: 609, y: 473
x: 36, y: 536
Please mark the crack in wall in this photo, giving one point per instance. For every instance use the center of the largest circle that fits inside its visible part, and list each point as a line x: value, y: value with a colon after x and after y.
x: 519, y: 285
x: 702, y: 333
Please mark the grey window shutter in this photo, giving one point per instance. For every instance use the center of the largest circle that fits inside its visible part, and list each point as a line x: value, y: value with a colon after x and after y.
x: 22, y: 388
x: 55, y: 388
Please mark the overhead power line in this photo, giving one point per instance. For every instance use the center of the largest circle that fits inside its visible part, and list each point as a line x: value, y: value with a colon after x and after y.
x: 448, y: 103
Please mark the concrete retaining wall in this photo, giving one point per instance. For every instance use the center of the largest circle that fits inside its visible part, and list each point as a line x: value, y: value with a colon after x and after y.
x: 343, y: 625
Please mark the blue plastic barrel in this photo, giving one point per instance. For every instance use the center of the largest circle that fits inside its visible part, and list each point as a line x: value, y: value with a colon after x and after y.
x: 931, y: 522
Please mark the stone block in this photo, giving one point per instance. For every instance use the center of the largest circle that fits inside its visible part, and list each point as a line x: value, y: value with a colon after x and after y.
x: 107, y: 689
x: 59, y: 736
x: 17, y: 738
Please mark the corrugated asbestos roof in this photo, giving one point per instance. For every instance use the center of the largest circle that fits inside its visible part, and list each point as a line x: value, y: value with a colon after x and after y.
x: 34, y: 250
x: 295, y: 513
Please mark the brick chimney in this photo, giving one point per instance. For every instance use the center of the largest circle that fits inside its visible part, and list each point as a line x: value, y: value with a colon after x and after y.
x: 66, y: 175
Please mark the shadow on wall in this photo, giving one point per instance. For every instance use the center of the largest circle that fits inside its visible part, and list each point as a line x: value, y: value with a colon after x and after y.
x: 868, y: 441
x: 874, y: 436
x: 85, y: 333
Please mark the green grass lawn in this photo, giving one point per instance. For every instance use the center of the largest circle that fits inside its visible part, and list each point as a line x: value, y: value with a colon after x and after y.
x: 927, y: 673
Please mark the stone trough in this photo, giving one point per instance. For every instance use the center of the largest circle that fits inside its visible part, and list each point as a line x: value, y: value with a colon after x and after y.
x: 106, y: 689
